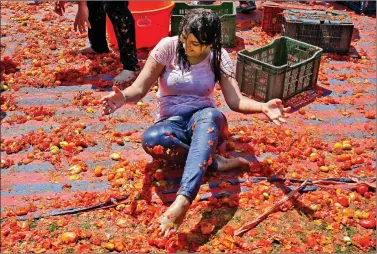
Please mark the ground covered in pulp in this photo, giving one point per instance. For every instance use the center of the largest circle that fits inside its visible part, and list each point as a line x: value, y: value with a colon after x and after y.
x: 58, y: 152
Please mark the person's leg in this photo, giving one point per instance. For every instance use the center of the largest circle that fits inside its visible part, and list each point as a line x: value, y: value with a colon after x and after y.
x: 96, y: 34
x: 124, y: 28
x: 171, y: 136
x: 175, y: 144
x: 206, y: 128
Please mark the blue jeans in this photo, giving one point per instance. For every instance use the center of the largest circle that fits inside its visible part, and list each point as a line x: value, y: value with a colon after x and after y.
x: 188, y: 140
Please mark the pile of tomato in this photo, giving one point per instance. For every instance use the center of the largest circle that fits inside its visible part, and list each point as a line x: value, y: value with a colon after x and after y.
x: 333, y: 218
x: 7, y: 66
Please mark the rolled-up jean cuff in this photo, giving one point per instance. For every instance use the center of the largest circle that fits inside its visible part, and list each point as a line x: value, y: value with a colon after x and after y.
x: 186, y: 194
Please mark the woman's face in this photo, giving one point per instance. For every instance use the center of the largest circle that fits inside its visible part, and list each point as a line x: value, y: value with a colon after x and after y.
x: 192, y: 46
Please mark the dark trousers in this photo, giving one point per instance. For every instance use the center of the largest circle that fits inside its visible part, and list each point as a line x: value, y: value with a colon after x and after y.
x: 124, y: 28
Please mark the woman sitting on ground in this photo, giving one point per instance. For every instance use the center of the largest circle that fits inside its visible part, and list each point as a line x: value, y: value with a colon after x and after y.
x: 189, y: 126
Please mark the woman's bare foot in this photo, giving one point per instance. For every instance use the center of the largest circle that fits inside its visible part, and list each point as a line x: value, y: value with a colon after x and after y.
x: 173, y: 217
x: 224, y: 164
x: 221, y: 149
x: 124, y: 76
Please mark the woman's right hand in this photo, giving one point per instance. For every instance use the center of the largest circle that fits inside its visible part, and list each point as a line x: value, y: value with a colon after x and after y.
x: 82, y: 17
x: 112, y: 101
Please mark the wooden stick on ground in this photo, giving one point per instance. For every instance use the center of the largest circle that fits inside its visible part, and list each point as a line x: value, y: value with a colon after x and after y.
x: 265, y: 214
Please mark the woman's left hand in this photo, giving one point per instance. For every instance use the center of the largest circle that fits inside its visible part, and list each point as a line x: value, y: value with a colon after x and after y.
x: 275, y: 110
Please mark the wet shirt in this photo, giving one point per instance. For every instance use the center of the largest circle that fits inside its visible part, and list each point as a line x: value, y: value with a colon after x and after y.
x: 183, y: 93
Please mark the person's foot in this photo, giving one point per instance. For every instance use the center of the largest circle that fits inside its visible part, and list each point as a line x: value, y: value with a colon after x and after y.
x: 86, y: 51
x: 224, y: 164
x: 221, y: 149
x: 173, y: 217
x: 124, y: 76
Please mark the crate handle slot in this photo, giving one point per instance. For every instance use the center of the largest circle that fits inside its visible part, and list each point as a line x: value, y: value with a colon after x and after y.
x: 301, y: 48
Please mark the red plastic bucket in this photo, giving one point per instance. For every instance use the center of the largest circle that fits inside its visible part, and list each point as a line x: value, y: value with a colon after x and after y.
x: 152, y: 21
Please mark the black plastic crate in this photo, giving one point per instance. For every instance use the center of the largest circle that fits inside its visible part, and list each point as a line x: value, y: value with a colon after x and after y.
x: 281, y: 69
x: 366, y: 7
x: 332, y: 31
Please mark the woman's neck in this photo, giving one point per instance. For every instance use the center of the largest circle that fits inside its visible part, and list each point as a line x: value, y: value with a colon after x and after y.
x: 196, y: 60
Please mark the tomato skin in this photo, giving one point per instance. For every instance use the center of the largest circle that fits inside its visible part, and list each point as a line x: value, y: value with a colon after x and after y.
x: 359, y: 160
x: 229, y: 230
x: 362, y: 188
x: 302, y: 111
x: 117, y: 134
x: 95, y: 240
x: 5, y: 232
x: 69, y: 148
x: 171, y: 246
x: 69, y: 138
x: 367, y: 195
x: 359, y: 150
x: 160, y: 243
x: 55, y: 142
x: 264, y: 243
x: 343, y: 158
x: 343, y: 201
x: 308, y: 151
x: 39, y: 118
x: 368, y: 223
x: 119, y: 141
x: 69, y: 237
x: 86, y: 248
x: 320, y: 162
x: 346, y: 166
x: 44, y: 146
x: 46, y: 244
x: 8, y: 150
x: 364, y: 241
x: 21, y: 211
x: 38, y: 113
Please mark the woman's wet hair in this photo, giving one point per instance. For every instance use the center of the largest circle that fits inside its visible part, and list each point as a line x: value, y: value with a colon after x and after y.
x: 205, y: 25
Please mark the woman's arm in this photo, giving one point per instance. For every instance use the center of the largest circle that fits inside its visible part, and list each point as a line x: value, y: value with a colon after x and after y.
x: 147, y: 77
x: 273, y: 109
x: 235, y: 100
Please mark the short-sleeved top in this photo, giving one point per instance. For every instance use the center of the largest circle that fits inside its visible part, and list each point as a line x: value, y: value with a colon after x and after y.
x: 184, y: 93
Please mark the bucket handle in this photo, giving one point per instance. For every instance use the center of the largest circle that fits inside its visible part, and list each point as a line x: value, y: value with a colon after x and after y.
x: 144, y: 21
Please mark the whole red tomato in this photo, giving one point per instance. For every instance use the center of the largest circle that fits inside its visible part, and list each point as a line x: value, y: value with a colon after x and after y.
x: 320, y: 162
x: 44, y: 146
x: 362, y: 188
x: 343, y: 201
x: 368, y: 223
x: 364, y: 241
x: 367, y: 194
x: 359, y: 160
x: 346, y: 165
x: 308, y: 151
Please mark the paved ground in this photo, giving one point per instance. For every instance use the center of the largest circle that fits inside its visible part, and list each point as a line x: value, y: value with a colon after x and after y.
x: 342, y: 107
